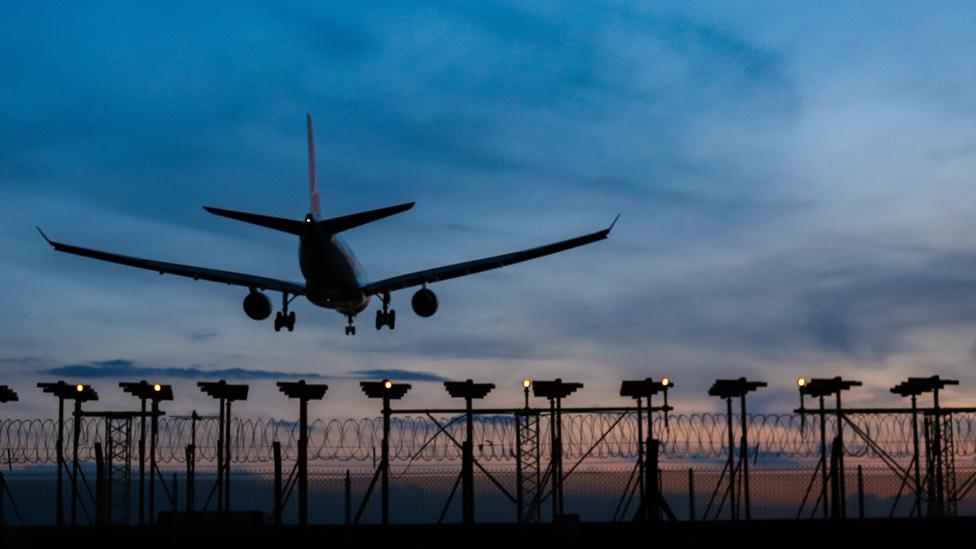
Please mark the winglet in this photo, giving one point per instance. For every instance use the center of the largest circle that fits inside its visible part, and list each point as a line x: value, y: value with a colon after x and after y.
x: 48, y: 240
x: 610, y: 228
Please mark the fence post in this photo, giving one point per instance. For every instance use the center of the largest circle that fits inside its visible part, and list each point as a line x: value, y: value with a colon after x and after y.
x: 860, y: 492
x: 691, y: 494
x: 348, y: 500
x: 276, y: 450
x: 99, y: 487
x: 176, y: 494
x: 190, y: 476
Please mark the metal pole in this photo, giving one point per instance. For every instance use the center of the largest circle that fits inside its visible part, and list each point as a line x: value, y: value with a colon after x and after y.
x: 640, y: 460
x: 276, y: 453
x: 559, y: 461
x: 744, y: 456
x: 220, y: 457
x: 733, y: 512
x: 519, y: 482
x: 841, y: 476
x: 59, y: 500
x: 691, y: 494
x: 191, y: 465
x: 918, y: 457
x: 227, y: 459
x: 189, y: 478
x: 467, y: 466
x: 142, y: 462
x: 75, y: 464
x: 176, y: 494
x: 860, y: 492
x: 653, y: 479
x: 303, y: 463
x: 823, y: 458
x: 937, y: 455
x: 99, y: 488
x: 385, y: 463
x: 348, y: 499
x: 154, y: 422
x: 554, y: 458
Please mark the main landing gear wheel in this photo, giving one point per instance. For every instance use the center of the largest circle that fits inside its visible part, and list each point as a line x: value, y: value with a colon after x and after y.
x: 386, y: 317
x: 350, y: 328
x: 284, y: 319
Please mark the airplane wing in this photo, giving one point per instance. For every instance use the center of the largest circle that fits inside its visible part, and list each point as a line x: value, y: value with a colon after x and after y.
x: 480, y: 265
x: 196, y: 273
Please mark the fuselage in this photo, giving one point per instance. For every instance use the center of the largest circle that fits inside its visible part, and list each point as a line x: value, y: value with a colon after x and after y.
x: 332, y: 273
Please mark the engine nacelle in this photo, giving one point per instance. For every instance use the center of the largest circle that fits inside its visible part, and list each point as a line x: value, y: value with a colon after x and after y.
x: 424, y: 303
x: 257, y: 305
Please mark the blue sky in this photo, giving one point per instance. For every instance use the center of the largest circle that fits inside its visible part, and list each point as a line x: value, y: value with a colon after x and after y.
x: 795, y: 184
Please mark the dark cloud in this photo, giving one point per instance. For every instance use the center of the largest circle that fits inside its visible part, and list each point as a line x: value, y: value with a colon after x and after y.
x: 20, y: 360
x: 511, y: 346
x: 121, y: 368
x: 398, y: 375
x: 202, y: 336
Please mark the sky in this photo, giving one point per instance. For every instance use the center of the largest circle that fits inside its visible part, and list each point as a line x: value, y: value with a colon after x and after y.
x: 794, y: 183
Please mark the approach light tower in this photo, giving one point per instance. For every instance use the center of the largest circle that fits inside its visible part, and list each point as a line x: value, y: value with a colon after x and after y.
x: 468, y: 390
x: 153, y: 393
x: 821, y: 388
x: 647, y: 449
x: 386, y: 390
x: 304, y: 392
x: 939, y: 462
x: 78, y: 393
x: 729, y: 389
x: 555, y: 391
x: 225, y: 393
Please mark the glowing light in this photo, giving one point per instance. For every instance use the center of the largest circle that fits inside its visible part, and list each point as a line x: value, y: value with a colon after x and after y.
x: 157, y: 387
x: 801, y: 382
x: 526, y: 383
x: 79, y: 387
x: 387, y: 384
x: 666, y: 382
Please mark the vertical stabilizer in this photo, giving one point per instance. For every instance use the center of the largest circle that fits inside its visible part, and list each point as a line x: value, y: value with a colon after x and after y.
x: 313, y: 186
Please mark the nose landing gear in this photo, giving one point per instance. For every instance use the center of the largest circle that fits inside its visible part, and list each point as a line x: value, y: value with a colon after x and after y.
x: 350, y: 327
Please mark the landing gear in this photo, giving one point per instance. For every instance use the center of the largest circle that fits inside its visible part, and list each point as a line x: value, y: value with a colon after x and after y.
x: 386, y: 317
x: 285, y: 319
x: 350, y: 327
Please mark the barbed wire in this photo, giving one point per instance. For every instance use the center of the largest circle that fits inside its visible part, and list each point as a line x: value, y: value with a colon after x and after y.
x: 419, y: 438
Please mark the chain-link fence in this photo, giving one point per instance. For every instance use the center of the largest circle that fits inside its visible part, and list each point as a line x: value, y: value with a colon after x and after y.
x: 421, y: 494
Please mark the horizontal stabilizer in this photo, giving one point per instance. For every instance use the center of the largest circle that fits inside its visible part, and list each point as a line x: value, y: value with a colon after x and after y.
x: 276, y: 223
x: 346, y: 222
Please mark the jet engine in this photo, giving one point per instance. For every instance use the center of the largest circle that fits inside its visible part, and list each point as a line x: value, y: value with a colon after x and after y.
x: 424, y: 303
x: 257, y: 305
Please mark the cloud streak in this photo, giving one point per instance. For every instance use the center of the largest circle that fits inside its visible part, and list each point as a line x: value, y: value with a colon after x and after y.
x: 121, y: 369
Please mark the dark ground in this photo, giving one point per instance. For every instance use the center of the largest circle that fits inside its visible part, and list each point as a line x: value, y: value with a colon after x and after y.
x: 870, y: 533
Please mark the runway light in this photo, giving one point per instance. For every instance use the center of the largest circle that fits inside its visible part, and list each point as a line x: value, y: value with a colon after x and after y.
x: 387, y: 384
x: 801, y: 382
x: 79, y: 387
x: 526, y: 383
x: 157, y: 387
x: 665, y: 382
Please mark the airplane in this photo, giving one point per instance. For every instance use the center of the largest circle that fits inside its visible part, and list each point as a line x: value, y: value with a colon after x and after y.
x: 332, y: 273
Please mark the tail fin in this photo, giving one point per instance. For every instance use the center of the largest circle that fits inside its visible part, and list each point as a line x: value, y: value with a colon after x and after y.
x: 313, y: 186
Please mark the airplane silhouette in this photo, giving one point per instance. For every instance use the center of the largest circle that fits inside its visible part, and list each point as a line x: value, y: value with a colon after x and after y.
x: 332, y: 274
